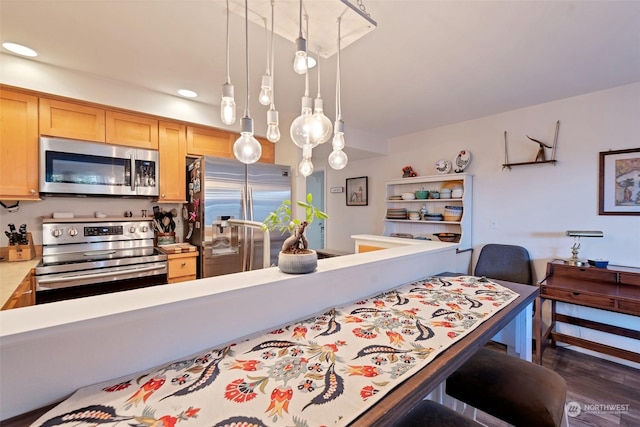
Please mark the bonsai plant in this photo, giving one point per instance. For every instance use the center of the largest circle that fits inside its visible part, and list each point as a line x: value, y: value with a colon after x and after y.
x: 295, y: 255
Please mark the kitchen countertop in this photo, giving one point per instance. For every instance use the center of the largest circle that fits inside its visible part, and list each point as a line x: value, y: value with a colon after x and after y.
x: 12, y: 274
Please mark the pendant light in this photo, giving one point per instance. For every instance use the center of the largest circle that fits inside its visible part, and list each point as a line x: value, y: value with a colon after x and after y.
x: 321, y: 127
x: 266, y: 88
x: 300, y: 58
x: 228, y: 104
x: 301, y: 127
x: 247, y: 149
x: 338, y: 159
x: 306, y: 167
x: 273, y: 130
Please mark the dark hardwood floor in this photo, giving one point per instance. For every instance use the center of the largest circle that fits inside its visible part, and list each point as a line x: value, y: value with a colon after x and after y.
x: 592, y: 383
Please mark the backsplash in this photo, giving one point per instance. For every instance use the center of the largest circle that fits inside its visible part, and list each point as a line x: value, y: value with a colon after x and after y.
x: 31, y: 213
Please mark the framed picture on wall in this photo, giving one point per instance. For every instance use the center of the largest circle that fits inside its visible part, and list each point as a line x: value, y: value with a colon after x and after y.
x: 620, y: 182
x: 357, y: 191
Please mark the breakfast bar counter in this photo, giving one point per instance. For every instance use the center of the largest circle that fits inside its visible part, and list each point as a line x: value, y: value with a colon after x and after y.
x: 105, y: 330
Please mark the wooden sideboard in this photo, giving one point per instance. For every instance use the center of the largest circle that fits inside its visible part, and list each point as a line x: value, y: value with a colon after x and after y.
x: 615, y: 289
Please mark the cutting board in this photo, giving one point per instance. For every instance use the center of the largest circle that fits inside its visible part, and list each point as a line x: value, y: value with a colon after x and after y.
x: 177, y: 248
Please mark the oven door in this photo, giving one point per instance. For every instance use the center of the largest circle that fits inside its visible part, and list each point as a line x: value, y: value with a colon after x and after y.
x: 79, y: 167
x: 76, y: 284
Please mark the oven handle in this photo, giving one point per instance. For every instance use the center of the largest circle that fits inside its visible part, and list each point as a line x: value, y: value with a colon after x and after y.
x: 90, y: 276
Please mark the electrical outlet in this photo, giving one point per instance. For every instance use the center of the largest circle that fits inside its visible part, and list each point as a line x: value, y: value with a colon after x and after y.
x: 493, y: 223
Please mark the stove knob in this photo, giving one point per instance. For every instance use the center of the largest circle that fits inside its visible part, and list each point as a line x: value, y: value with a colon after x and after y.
x: 56, y: 232
x: 73, y: 232
x: 132, y: 229
x: 144, y: 228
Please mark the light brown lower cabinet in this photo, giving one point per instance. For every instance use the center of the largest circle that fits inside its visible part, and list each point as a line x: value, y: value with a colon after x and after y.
x: 182, y: 267
x: 24, y: 295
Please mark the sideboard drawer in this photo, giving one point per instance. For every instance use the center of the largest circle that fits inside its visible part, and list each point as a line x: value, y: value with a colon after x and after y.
x: 585, y: 273
x: 580, y: 298
x: 630, y: 279
x: 632, y: 307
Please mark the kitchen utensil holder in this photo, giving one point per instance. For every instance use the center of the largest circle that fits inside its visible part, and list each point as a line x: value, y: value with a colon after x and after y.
x: 19, y: 252
x: 166, y: 238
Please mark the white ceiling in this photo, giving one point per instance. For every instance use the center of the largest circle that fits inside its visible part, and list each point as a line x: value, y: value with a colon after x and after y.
x: 429, y: 63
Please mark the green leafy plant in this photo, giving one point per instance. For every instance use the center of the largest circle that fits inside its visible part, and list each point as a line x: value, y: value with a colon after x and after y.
x: 282, y: 220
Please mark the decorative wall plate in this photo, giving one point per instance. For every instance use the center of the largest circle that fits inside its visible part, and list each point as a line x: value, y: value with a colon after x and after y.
x: 443, y: 166
x: 462, y: 160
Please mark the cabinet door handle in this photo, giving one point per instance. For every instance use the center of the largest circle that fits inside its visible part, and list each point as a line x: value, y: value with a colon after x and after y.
x: 576, y: 293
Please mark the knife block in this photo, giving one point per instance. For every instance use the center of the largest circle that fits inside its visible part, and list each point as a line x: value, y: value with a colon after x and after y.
x: 22, y: 252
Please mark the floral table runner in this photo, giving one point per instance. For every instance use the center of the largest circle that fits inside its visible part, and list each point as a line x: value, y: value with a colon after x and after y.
x: 323, y: 371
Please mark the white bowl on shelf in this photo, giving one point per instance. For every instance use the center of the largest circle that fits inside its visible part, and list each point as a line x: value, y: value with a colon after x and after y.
x: 408, y: 196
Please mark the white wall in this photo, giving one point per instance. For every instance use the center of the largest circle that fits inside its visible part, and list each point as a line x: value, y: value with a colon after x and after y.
x: 532, y: 205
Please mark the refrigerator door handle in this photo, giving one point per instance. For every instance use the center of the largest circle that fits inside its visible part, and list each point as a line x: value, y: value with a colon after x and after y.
x: 250, y: 230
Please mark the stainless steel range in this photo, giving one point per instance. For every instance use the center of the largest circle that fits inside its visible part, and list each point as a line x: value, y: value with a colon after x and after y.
x: 83, y: 258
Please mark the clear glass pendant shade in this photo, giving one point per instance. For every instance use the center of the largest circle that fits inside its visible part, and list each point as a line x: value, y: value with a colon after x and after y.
x: 301, y: 128
x: 300, y: 58
x: 338, y: 159
x: 306, y: 167
x: 321, y: 127
x: 228, y: 105
x: 273, y: 133
x: 266, y: 90
x: 247, y: 149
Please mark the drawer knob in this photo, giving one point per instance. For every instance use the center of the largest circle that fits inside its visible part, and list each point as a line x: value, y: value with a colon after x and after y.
x: 184, y: 264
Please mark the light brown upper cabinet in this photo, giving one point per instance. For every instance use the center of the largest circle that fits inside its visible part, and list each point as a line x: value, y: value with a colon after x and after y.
x: 131, y: 130
x: 209, y: 142
x: 18, y: 146
x: 172, y: 148
x: 268, y: 150
x: 69, y: 120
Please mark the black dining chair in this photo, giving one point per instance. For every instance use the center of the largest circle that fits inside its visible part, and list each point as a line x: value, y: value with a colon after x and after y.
x: 504, y: 262
x: 506, y: 387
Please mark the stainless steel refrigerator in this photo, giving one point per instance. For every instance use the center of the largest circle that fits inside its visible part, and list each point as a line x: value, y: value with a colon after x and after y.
x: 220, y: 189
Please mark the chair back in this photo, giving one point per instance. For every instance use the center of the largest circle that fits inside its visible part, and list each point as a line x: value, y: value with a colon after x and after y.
x: 504, y: 262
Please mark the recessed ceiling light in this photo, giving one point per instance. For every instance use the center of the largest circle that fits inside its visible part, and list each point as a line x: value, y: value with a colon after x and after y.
x: 187, y: 93
x: 19, y: 49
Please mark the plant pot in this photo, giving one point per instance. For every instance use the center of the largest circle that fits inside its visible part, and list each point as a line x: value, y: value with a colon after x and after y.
x: 298, y: 263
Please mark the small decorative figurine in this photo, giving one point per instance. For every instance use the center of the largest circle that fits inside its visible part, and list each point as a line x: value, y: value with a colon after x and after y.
x: 540, y: 157
x: 408, y: 172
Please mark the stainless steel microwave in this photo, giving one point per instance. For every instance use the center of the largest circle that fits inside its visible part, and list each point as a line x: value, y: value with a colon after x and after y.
x: 89, y: 168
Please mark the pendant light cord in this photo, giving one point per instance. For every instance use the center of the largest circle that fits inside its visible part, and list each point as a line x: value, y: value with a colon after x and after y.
x: 273, y: 83
x: 338, y: 92
x: 300, y: 21
x: 306, y: 74
x: 266, y: 38
x: 318, y: 53
x: 246, y: 53
x: 228, y: 76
